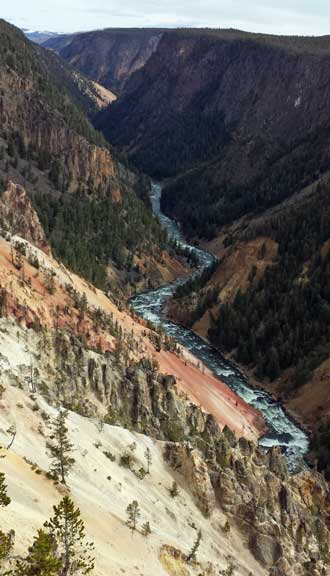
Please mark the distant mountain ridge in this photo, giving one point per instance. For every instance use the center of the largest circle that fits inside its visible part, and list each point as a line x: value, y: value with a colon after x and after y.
x: 108, y: 56
x: 39, y: 37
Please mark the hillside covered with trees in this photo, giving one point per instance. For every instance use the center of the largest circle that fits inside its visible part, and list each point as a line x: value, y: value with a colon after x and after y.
x: 92, y: 205
x: 283, y: 320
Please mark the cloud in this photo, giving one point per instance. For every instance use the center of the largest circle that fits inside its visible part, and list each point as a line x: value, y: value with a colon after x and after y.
x: 282, y: 16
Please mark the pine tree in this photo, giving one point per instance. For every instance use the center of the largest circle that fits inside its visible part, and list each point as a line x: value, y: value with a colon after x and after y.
x: 6, y: 544
x: 146, y: 530
x: 68, y: 531
x: 174, y: 489
x: 148, y: 458
x: 133, y: 513
x: 42, y: 558
x: 226, y: 527
x: 61, y: 449
x: 6, y: 540
x: 192, y: 554
x: 4, y: 498
x: 82, y: 306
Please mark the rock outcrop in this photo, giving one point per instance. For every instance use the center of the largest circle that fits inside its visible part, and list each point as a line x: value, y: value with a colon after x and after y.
x: 283, y: 519
x: 79, y: 164
x: 18, y: 216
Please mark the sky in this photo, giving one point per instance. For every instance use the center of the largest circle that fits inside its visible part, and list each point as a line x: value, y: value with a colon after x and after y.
x: 307, y: 17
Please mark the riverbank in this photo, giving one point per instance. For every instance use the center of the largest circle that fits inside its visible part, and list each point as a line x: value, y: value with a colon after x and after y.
x: 282, y: 430
x: 212, y: 395
x: 273, y: 390
x: 277, y: 396
x: 257, y: 385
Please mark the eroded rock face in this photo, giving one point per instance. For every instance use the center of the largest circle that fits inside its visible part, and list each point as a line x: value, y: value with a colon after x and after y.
x: 20, y: 218
x: 283, y: 520
x: 266, y: 549
x: 190, y: 464
x: 45, y: 132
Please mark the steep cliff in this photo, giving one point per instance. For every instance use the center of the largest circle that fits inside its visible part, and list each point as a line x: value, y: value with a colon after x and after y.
x: 107, y: 56
x: 18, y: 216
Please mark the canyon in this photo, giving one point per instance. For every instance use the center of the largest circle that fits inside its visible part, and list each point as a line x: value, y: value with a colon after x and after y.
x: 93, y: 272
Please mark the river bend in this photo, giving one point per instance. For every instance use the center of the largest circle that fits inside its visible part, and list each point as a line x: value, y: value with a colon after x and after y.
x: 282, y: 430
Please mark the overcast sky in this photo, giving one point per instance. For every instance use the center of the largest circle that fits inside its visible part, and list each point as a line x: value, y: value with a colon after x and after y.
x: 311, y: 17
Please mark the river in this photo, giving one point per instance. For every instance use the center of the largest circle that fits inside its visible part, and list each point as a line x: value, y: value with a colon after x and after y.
x: 282, y: 430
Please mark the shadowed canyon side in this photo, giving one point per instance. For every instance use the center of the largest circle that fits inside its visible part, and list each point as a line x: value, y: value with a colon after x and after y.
x: 110, y: 56
x: 240, y: 119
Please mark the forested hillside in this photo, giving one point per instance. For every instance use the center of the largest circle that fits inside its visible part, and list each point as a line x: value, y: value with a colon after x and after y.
x: 283, y: 320
x: 267, y: 304
x: 88, y: 201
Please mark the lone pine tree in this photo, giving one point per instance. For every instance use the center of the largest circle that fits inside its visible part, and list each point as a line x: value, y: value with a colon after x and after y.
x: 4, y: 498
x: 146, y: 530
x: 6, y: 540
x: 68, y: 531
x: 133, y: 513
x: 193, y: 552
x: 148, y: 458
x: 174, y: 491
x: 61, y: 448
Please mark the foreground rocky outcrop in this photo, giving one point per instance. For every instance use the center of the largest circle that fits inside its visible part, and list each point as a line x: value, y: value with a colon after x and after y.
x: 284, y: 519
x: 108, y: 474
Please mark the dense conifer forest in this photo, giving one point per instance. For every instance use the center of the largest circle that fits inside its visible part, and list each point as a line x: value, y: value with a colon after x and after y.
x: 87, y: 233
x: 283, y: 320
x: 204, y: 201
